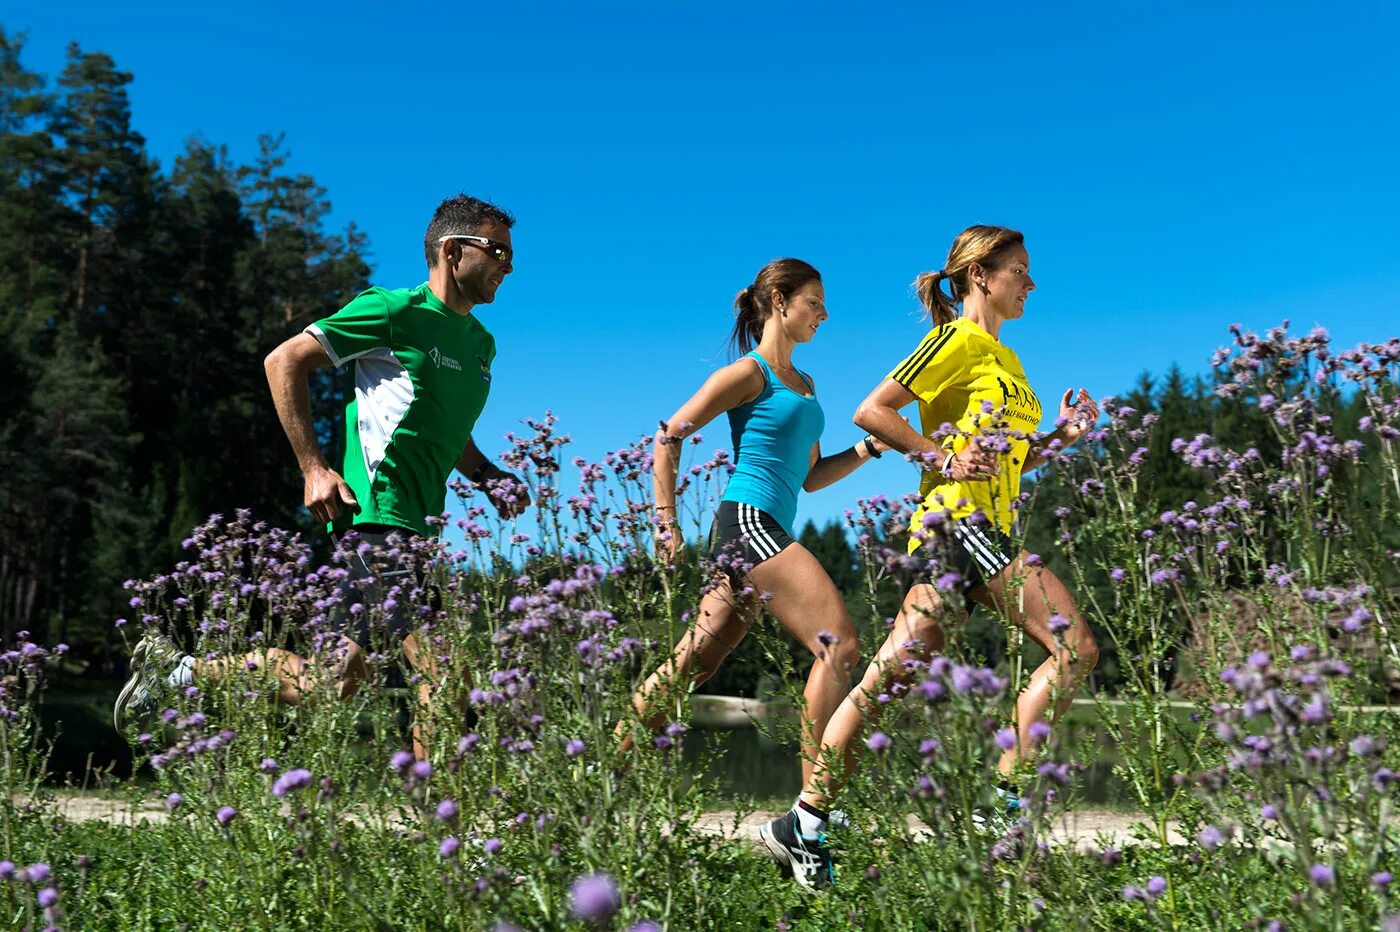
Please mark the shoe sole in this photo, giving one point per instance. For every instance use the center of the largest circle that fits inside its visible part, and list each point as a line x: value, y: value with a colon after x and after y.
x: 137, y: 664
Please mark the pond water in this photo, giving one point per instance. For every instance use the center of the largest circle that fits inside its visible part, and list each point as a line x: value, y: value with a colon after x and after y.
x: 745, y: 763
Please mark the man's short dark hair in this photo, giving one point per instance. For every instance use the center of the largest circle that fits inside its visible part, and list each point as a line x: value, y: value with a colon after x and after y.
x: 460, y: 214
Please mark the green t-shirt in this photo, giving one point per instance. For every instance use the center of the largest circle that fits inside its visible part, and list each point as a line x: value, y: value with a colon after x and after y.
x: 422, y: 374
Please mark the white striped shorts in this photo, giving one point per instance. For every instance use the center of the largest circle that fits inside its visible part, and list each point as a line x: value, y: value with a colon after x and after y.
x: 743, y: 537
x: 977, y: 551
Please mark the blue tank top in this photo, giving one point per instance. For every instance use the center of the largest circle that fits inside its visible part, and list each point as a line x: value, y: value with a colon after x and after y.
x: 773, y: 437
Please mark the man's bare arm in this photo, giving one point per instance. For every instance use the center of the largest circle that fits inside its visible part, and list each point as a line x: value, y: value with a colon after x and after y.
x: 288, y: 368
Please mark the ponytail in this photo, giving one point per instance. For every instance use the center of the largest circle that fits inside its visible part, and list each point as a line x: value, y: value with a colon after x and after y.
x: 941, y: 308
x: 977, y: 245
x: 754, y: 305
x: 748, y: 322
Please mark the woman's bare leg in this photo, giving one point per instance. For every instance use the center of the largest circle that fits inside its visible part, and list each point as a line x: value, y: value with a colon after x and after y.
x: 917, y: 634
x: 1073, y: 653
x: 807, y: 603
x: 721, y: 622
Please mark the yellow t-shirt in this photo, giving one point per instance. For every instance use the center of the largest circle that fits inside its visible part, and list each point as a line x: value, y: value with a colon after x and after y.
x: 965, y: 378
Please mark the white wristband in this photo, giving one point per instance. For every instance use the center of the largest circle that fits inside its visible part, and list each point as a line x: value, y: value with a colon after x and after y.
x: 946, y: 463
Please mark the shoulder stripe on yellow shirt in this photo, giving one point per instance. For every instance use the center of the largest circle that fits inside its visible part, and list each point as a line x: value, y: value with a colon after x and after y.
x: 922, y: 356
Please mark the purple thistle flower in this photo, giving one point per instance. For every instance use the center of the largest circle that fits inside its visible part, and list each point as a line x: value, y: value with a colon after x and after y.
x: 933, y: 690
x: 225, y: 815
x: 448, y: 847
x: 422, y: 770
x: 574, y: 748
x: 7, y: 870
x: 594, y: 897
x: 268, y: 765
x: 1322, y: 875
x: 47, y: 897
x: 1156, y: 886
x: 963, y: 681
x: 291, y: 780
x: 1260, y: 660
x: 646, y: 925
x: 173, y: 801
x: 493, y: 845
x: 1117, y: 574
x: 1269, y: 812
x: 37, y: 872
x: 400, y: 760
x: 1314, y: 713
x: 446, y: 811
x: 878, y: 742
x: 1059, y: 624
x: 1111, y: 857
x: 1039, y: 732
x: 1006, y: 739
x: 1364, y: 746
x: 661, y: 742
x: 1210, y: 838
x: 1381, y: 879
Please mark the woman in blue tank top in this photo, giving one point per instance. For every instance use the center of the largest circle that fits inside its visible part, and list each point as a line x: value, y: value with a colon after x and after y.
x: 776, y: 422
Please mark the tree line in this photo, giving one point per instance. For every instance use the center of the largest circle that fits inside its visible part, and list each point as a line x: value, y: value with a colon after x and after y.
x: 137, y: 302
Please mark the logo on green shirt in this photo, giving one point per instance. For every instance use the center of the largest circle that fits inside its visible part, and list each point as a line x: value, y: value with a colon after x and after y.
x: 440, y: 360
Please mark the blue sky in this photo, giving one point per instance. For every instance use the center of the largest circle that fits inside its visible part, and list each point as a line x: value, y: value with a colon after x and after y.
x: 1175, y: 168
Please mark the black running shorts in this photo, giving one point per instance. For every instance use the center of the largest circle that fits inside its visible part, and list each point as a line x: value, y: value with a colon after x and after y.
x: 743, y: 537
x: 974, y: 549
x: 374, y: 627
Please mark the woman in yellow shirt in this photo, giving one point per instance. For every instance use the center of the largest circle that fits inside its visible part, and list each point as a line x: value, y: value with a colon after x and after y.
x: 976, y: 413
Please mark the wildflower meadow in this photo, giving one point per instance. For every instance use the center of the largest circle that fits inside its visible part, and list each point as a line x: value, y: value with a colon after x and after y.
x: 1246, y: 693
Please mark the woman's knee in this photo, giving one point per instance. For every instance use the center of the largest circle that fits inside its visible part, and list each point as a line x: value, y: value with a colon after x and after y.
x: 925, y: 634
x: 842, y: 650
x: 1083, y: 650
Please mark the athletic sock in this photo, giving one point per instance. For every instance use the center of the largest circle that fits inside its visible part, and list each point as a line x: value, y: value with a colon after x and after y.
x: 811, y: 821
x: 183, y: 673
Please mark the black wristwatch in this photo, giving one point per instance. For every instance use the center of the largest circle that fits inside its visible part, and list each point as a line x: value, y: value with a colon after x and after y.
x: 870, y: 447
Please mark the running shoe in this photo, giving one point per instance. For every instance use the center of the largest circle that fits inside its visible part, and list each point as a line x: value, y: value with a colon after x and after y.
x: 807, y: 858
x: 151, y: 659
x: 1005, y: 813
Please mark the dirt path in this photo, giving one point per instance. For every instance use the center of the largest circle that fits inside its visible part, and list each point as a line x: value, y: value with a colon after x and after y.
x: 1087, y: 829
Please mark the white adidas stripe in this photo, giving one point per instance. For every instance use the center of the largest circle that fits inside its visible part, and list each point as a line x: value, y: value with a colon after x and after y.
x: 976, y: 549
x: 751, y: 524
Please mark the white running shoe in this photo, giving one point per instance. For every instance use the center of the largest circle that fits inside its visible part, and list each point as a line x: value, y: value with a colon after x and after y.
x: 151, y: 659
x: 807, y: 858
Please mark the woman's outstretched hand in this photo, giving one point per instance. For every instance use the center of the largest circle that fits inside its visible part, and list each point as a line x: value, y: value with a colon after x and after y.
x: 1078, y: 414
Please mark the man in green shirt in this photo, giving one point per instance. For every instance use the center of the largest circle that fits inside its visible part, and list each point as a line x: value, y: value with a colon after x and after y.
x: 422, y: 368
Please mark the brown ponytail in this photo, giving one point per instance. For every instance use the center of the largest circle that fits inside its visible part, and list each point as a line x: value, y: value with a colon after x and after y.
x: 941, y: 308
x: 754, y: 305
x: 982, y: 245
